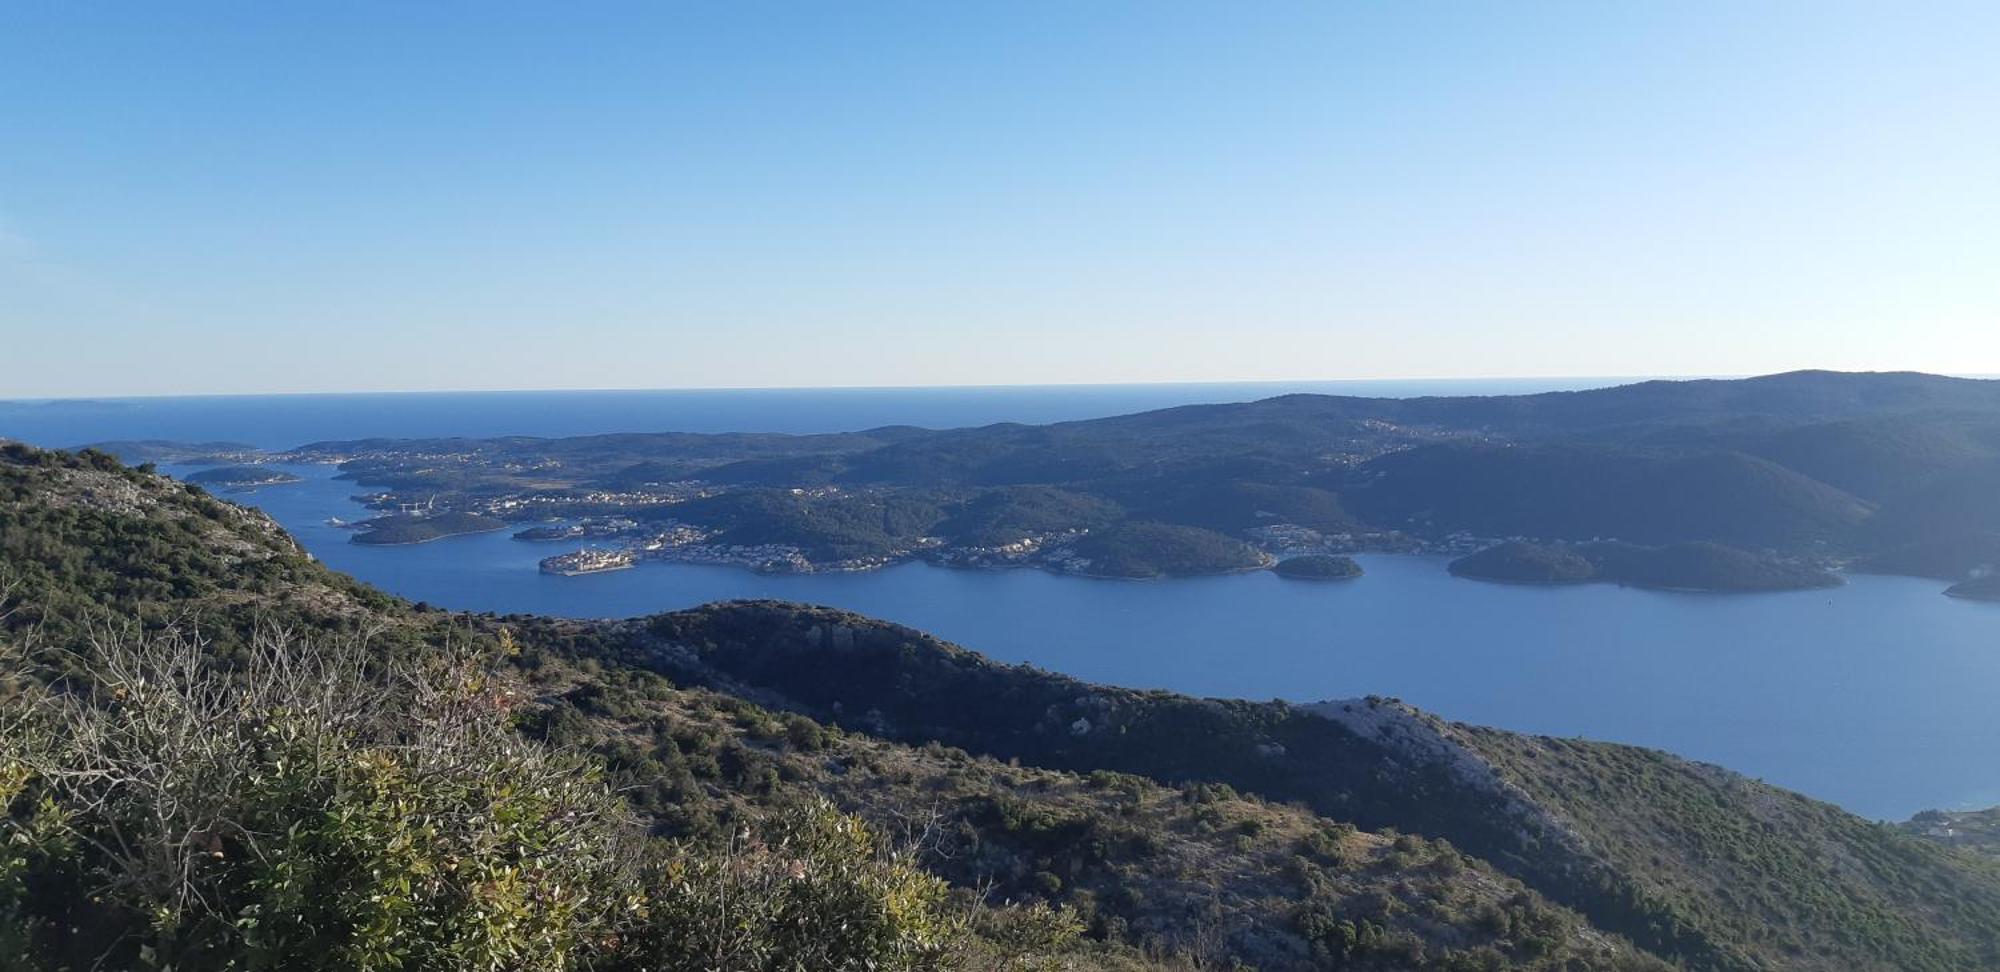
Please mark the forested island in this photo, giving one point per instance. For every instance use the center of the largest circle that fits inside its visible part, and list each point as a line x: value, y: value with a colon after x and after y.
x: 1681, y: 566
x: 1748, y: 484
x: 856, y: 793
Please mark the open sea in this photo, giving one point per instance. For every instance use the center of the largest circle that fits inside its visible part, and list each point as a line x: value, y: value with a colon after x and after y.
x: 1878, y: 695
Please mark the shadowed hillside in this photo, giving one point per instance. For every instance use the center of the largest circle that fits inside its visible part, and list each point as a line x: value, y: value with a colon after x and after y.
x: 1577, y: 493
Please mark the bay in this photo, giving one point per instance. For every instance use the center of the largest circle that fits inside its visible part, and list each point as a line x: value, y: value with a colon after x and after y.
x: 1876, y: 695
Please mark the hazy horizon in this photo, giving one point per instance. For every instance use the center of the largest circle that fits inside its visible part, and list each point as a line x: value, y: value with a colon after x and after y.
x: 1557, y: 383
x: 1164, y: 383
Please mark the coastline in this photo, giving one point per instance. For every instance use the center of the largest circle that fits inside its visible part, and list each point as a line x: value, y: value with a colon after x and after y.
x: 1838, y: 581
x: 588, y: 570
x: 1979, y: 598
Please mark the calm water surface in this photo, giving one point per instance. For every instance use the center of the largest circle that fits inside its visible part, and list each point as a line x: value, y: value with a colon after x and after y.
x: 1878, y: 695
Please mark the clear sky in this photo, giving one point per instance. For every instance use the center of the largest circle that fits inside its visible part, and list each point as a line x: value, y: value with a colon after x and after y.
x: 270, y: 197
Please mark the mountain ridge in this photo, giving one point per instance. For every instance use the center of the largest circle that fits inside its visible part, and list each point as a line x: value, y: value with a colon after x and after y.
x: 1821, y: 466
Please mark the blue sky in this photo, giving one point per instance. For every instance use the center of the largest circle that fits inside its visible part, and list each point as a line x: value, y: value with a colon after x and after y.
x: 271, y: 197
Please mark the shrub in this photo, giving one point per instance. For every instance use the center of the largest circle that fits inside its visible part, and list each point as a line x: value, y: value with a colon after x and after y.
x: 297, y: 814
x: 816, y: 889
x: 309, y: 811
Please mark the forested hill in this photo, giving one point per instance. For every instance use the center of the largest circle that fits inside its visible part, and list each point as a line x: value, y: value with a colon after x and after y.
x: 1138, y: 830
x: 1793, y: 397
x: 1820, y: 467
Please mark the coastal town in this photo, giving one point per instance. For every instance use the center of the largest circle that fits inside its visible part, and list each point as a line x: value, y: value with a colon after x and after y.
x: 587, y: 562
x: 683, y: 544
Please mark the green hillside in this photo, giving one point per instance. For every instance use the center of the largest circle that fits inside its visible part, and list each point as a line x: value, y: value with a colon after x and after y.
x: 1692, y: 862
x: 777, y: 754
x: 1041, y: 869
x: 1817, y: 467
x: 1678, y: 566
x: 1584, y: 493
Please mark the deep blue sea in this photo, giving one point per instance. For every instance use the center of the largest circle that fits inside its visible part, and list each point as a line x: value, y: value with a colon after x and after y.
x: 1878, y: 695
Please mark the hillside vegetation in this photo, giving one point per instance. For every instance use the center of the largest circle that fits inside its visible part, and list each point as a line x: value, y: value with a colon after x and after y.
x: 1318, y: 567
x: 1813, y: 467
x: 916, y: 855
x: 389, y: 786
x: 1141, y: 549
x: 1693, y: 863
x: 1681, y: 566
x: 1571, y: 493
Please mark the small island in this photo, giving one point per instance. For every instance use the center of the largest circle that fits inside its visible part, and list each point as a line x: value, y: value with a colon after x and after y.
x: 243, y: 477
x: 406, y: 528
x: 1985, y: 587
x: 1699, y: 566
x: 1319, y: 567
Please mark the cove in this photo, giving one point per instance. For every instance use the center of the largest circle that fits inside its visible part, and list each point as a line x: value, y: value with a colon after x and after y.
x: 1877, y: 695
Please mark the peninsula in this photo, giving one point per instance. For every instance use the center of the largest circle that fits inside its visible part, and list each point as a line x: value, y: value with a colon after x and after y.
x: 1985, y: 587
x: 242, y: 477
x: 411, y: 528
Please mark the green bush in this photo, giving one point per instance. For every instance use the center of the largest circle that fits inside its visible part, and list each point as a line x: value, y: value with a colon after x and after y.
x: 298, y: 814
x: 816, y: 889
x: 307, y: 811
